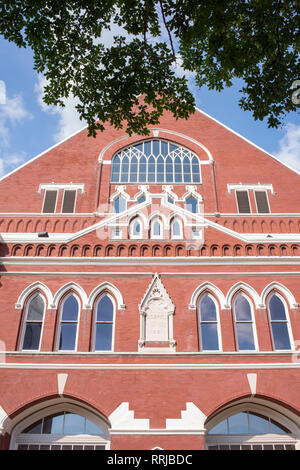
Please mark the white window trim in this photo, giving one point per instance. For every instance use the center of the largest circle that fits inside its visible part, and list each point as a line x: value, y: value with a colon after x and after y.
x: 59, y: 323
x: 25, y: 322
x: 113, y: 236
x: 217, y: 321
x: 113, y: 323
x: 253, y: 323
x: 289, y: 329
x: 180, y: 236
x: 131, y: 226
x: 152, y: 223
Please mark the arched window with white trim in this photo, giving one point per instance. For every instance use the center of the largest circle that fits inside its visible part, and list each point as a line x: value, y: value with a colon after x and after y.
x: 104, y: 315
x: 249, y: 429
x: 176, y: 229
x: 155, y: 161
x: 33, y: 323
x: 68, y: 323
x: 209, y: 328
x: 156, y: 230
x: 243, y: 321
x: 135, y: 228
x: 279, y: 324
x: 192, y: 205
x: 72, y: 429
x: 119, y: 204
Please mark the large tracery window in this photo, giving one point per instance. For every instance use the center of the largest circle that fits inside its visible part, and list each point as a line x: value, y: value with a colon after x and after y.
x: 155, y: 161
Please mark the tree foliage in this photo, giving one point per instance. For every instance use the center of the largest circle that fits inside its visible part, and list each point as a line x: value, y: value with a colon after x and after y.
x: 253, y: 40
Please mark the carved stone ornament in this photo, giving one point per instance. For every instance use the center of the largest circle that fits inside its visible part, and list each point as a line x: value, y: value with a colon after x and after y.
x: 156, y: 310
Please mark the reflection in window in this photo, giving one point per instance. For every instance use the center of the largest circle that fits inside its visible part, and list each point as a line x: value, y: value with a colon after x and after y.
x: 119, y: 204
x: 248, y: 422
x: 279, y: 323
x: 243, y: 323
x: 33, y: 323
x: 191, y: 204
x: 155, y: 161
x: 176, y: 229
x: 208, y: 324
x: 104, y: 317
x: 64, y: 423
x: 68, y: 324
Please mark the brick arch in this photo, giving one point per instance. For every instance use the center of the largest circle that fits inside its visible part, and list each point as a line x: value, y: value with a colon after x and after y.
x: 98, y: 250
x: 63, y: 250
x: 86, y: 250
x: 121, y: 250
x: 51, y: 250
x: 179, y: 250
x: 145, y: 250
x: 40, y: 250
x: 16, y: 250
x: 28, y: 250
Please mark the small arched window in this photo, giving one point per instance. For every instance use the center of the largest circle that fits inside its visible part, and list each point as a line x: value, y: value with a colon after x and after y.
x: 136, y: 228
x: 104, y: 323
x: 191, y: 204
x: 279, y: 323
x: 34, y: 316
x: 68, y: 324
x: 243, y: 319
x: 208, y: 324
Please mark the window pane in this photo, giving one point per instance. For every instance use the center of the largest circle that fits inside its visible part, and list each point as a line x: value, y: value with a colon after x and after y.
x: 209, y: 337
x: 245, y: 337
x: 238, y: 424
x: 32, y: 336
x: 119, y: 204
x: 53, y: 424
x: 50, y: 201
x: 187, y: 170
x: 74, y: 424
x: 280, y: 336
x: 258, y: 424
x: 207, y: 309
x: 176, y: 229
x: 155, y: 147
x: 243, y: 202
x: 156, y: 228
x: 35, y: 428
x: 136, y: 228
x: 105, y: 309
x: 141, y: 199
x: 178, y: 170
x: 242, y: 309
x: 69, y: 201
x: 36, y: 309
x: 67, y: 336
x: 70, y: 309
x: 92, y: 428
x: 277, y: 310
x: 220, y: 428
x: 103, y: 340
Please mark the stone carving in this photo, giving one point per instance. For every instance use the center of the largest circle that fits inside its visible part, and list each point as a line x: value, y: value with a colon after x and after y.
x: 157, y: 312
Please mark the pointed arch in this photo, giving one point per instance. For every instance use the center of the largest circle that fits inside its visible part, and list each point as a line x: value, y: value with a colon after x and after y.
x: 36, y: 286
x: 277, y: 286
x: 242, y: 286
x: 105, y: 287
x: 207, y: 286
x: 70, y: 286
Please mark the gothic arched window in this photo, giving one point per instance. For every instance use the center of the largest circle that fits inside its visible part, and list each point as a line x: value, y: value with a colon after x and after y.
x: 279, y: 323
x: 33, y: 322
x: 155, y: 161
x: 104, y: 322
x: 68, y: 324
x: 208, y: 324
x: 243, y: 319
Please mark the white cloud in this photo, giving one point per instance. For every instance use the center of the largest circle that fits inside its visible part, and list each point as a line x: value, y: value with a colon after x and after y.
x: 68, y: 116
x: 12, y: 112
x: 289, y: 147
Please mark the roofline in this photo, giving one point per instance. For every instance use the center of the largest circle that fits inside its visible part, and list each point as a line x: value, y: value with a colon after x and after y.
x: 42, y: 153
x: 247, y: 140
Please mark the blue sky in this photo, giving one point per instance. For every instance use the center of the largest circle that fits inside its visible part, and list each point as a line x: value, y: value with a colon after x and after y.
x: 28, y: 127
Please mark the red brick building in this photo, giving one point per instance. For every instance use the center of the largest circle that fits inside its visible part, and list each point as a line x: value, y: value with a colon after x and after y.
x: 150, y: 292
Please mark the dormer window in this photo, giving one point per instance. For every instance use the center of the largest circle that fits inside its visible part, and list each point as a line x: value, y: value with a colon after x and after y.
x: 49, y: 205
x: 251, y: 198
x: 60, y: 197
x: 68, y: 204
x: 243, y: 202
